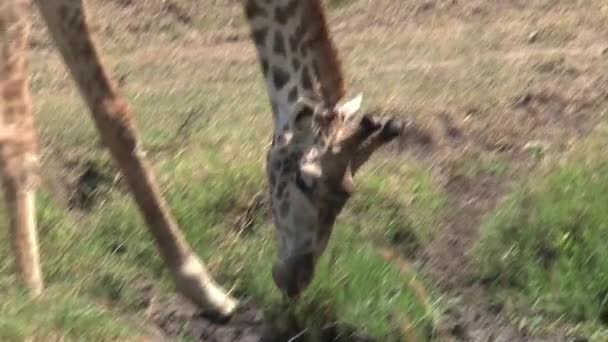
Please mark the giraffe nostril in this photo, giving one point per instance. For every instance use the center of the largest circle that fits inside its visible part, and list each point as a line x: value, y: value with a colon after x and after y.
x: 278, y: 276
x: 293, y: 275
x: 286, y: 282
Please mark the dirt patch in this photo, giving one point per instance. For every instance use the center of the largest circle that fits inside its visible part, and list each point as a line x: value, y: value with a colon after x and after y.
x: 88, y: 185
x: 170, y: 317
x: 179, y: 318
x: 81, y: 179
x: 447, y: 259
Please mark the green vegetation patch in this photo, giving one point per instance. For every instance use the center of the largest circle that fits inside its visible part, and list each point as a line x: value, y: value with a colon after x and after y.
x: 547, y: 241
x: 355, y: 290
x: 60, y: 315
x: 93, y: 264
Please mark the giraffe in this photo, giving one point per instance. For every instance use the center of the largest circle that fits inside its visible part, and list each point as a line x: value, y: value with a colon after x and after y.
x: 317, y: 146
x: 318, y: 143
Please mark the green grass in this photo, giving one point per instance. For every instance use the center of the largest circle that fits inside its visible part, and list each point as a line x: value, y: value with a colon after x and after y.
x: 546, y: 244
x: 97, y: 259
x: 77, y: 270
x: 396, y: 201
x: 59, y: 314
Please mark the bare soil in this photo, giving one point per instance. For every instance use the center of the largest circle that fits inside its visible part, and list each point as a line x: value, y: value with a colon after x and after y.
x: 169, y: 317
x: 447, y: 261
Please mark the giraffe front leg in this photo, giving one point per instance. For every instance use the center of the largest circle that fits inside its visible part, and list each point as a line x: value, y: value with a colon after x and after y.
x: 19, y: 176
x: 18, y: 142
x: 193, y: 280
x: 116, y: 124
x: 20, y: 203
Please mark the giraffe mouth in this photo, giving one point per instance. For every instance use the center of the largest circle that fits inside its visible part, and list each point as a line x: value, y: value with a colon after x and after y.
x: 293, y: 275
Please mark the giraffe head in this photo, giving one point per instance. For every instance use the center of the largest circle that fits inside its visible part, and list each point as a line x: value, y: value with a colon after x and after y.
x: 318, y: 143
x: 310, y: 168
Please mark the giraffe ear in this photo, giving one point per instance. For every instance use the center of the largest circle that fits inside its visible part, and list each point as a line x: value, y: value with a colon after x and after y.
x: 350, y: 107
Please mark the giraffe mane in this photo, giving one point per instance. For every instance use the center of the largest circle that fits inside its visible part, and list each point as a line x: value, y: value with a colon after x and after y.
x: 329, y: 71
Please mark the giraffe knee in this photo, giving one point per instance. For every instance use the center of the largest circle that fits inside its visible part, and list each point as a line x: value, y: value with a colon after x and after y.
x: 20, y: 174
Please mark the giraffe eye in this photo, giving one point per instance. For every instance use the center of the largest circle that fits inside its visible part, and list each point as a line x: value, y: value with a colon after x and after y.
x: 303, y: 114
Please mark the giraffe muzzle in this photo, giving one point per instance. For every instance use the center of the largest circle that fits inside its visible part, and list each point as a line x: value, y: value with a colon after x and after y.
x: 293, y: 275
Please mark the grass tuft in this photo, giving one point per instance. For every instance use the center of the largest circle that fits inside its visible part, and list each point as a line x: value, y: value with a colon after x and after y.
x: 546, y: 242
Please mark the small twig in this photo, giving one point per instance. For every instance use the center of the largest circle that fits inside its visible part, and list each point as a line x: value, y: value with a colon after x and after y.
x: 245, y: 222
x: 184, y: 124
x: 182, y: 134
x: 298, y: 335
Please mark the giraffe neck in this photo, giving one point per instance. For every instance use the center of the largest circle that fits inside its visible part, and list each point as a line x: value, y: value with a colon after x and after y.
x: 296, y: 55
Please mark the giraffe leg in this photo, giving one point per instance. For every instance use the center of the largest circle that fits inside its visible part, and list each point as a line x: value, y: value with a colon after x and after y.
x: 114, y: 119
x: 20, y: 204
x: 18, y: 142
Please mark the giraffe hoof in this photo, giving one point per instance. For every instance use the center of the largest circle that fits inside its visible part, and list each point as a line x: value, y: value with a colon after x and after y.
x: 293, y: 275
x: 193, y: 281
